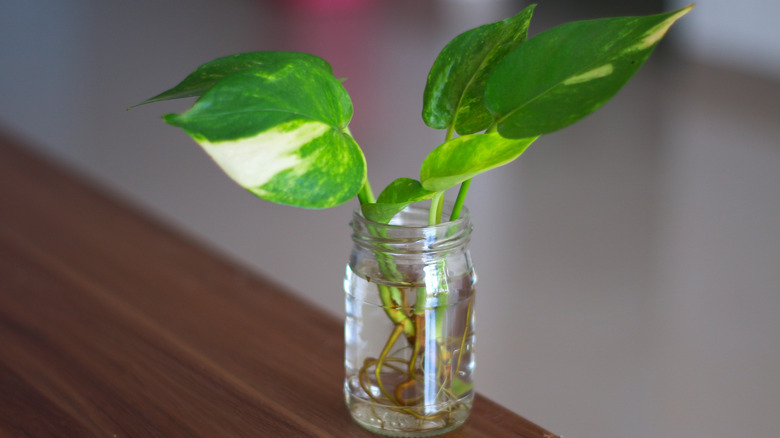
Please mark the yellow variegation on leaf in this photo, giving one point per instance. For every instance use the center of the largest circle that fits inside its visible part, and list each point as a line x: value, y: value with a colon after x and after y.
x: 279, y: 129
x: 565, y: 73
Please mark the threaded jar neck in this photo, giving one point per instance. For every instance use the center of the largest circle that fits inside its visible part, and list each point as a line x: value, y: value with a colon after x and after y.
x: 409, y: 232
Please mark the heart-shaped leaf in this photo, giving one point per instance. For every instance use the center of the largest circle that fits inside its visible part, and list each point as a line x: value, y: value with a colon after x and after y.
x: 208, y: 74
x: 395, y: 197
x: 462, y: 158
x: 279, y: 130
x: 456, y: 83
x: 567, y: 72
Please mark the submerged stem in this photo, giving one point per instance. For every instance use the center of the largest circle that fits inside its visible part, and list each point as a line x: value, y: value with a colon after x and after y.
x: 378, y: 368
x: 394, y: 309
x: 465, y: 332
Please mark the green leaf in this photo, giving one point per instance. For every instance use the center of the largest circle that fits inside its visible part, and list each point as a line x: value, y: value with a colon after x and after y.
x: 280, y: 131
x: 456, y: 83
x: 460, y: 386
x: 462, y: 158
x: 208, y: 74
x: 395, y: 197
x: 567, y: 72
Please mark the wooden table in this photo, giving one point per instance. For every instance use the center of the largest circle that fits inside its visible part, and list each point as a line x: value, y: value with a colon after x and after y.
x: 112, y: 325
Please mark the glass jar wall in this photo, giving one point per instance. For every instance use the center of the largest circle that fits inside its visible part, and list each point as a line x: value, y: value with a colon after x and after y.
x: 409, y: 328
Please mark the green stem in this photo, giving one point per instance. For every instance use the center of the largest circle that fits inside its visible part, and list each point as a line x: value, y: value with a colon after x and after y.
x: 434, y: 214
x: 450, y: 132
x: 390, y: 296
x: 464, y: 189
x: 420, y: 299
x: 366, y: 195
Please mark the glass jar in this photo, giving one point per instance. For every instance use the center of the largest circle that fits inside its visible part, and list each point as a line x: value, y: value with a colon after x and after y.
x: 409, y: 328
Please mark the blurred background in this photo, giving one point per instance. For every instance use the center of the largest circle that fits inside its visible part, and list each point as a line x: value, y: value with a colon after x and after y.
x: 629, y: 265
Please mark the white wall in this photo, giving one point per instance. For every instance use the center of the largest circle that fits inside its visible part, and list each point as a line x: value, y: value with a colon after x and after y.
x: 737, y: 34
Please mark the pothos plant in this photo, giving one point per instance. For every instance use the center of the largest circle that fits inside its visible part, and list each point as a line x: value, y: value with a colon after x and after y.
x: 277, y: 123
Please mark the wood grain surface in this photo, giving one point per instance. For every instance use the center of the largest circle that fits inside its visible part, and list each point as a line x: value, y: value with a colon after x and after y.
x: 113, y: 325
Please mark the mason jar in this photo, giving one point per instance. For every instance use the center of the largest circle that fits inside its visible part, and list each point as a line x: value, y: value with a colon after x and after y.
x: 409, y: 329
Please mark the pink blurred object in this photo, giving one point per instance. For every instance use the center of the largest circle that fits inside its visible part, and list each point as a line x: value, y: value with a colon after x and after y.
x: 325, y: 6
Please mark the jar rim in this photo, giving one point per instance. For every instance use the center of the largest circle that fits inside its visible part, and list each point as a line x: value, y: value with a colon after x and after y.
x: 412, y: 238
x: 422, y: 211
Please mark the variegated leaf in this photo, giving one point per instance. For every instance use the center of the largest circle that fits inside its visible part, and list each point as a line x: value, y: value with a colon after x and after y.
x: 280, y: 131
x: 455, y: 88
x: 462, y: 158
x: 208, y: 74
x: 567, y: 72
x: 395, y: 197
